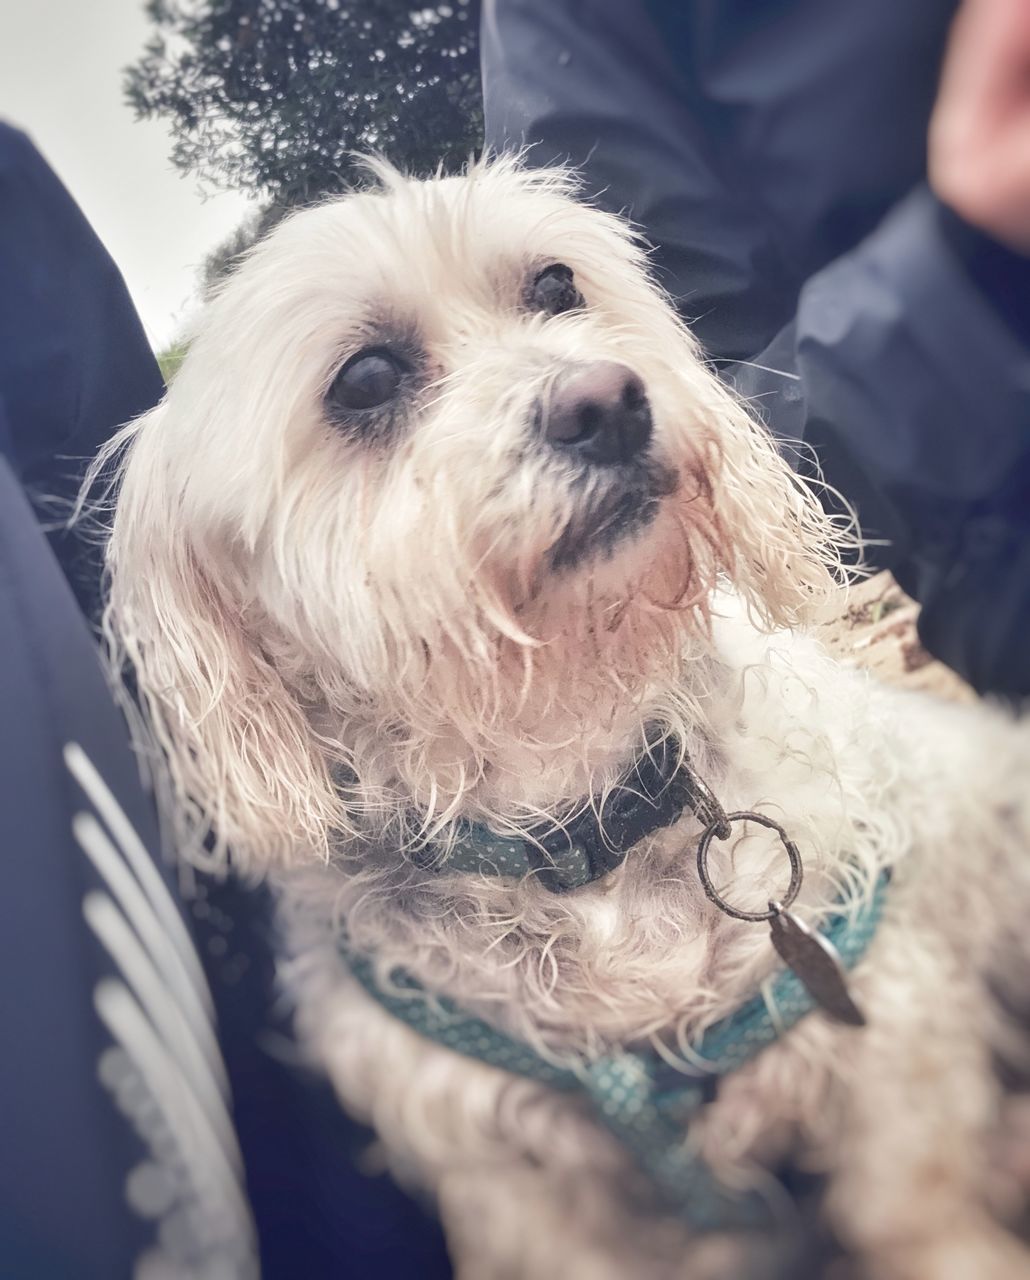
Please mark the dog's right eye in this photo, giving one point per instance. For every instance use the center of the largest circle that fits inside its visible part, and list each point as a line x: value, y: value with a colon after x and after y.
x: 368, y: 380
x: 553, y: 291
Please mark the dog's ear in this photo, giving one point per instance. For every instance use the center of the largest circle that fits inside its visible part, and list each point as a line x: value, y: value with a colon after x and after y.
x: 247, y: 778
x: 782, y: 551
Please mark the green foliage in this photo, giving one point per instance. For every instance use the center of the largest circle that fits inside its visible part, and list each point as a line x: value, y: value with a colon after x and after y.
x: 270, y: 96
x: 169, y: 360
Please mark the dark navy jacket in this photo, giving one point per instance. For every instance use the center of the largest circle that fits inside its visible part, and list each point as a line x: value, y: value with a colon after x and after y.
x: 774, y: 152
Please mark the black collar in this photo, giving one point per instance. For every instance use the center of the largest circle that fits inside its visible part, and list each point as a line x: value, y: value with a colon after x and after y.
x: 594, y: 838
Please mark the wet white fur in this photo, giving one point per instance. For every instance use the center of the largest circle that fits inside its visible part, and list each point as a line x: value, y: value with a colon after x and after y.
x: 343, y: 645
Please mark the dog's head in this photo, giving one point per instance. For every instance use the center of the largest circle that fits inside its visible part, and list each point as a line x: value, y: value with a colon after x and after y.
x: 441, y: 456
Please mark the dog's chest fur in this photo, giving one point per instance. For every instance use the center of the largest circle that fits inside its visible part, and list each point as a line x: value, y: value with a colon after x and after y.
x: 642, y: 953
x: 855, y: 775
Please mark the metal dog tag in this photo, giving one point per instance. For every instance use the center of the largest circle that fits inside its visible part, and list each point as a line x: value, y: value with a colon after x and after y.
x: 816, y: 964
x: 812, y: 959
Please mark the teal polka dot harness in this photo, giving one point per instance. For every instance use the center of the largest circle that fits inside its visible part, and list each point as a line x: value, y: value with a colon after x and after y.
x: 640, y: 1097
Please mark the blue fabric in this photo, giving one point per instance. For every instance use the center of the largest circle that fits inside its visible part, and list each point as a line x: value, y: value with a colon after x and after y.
x: 66, y: 1153
x: 774, y: 151
x: 74, y: 361
x: 66, y: 1150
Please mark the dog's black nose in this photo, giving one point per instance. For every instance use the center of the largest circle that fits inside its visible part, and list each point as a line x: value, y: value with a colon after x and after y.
x: 600, y: 412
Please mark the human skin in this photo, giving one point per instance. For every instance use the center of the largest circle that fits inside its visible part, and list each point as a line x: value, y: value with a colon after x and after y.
x: 979, y: 144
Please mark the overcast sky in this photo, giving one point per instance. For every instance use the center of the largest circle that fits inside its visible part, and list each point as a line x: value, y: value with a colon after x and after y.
x: 60, y: 80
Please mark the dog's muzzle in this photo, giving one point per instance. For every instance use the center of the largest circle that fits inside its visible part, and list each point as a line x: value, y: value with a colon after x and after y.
x: 598, y: 413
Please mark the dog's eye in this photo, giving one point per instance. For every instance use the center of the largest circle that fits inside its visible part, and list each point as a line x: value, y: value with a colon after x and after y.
x: 554, y: 290
x: 368, y: 380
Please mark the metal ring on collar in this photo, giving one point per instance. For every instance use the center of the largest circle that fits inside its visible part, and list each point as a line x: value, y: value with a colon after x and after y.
x: 713, y: 895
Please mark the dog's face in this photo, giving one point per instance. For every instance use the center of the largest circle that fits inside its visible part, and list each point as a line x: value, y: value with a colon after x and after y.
x: 424, y: 432
x: 449, y: 401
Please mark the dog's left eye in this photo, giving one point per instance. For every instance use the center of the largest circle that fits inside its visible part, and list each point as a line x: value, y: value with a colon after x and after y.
x: 554, y: 291
x: 368, y: 380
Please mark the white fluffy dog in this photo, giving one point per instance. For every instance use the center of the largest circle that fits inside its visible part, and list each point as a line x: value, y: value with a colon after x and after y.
x: 442, y: 525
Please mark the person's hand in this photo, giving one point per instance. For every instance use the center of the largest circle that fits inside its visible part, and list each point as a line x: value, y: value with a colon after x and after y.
x: 979, y: 148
